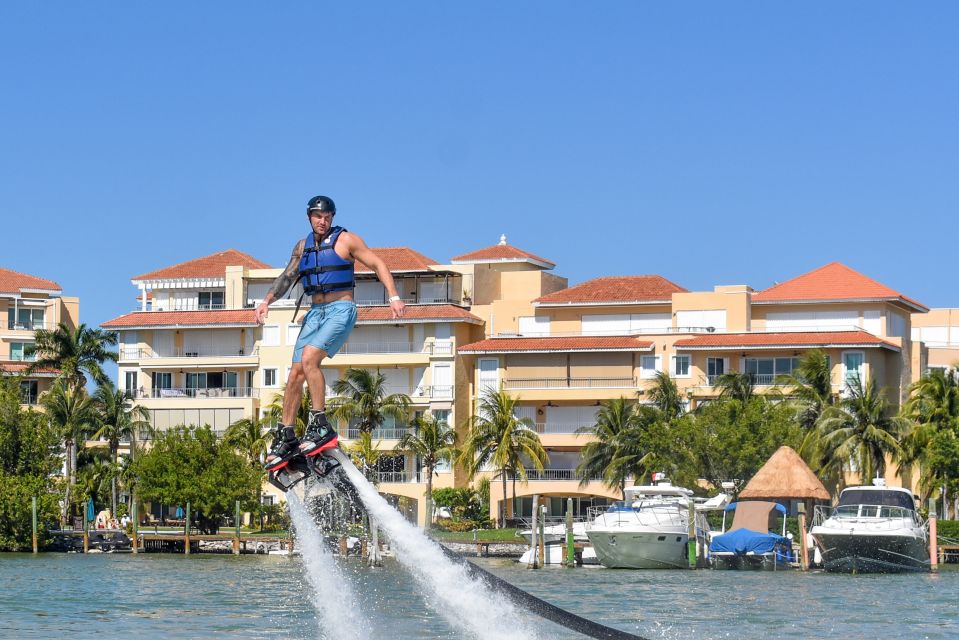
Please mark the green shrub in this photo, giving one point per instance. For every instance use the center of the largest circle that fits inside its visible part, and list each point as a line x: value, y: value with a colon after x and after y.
x: 948, y: 529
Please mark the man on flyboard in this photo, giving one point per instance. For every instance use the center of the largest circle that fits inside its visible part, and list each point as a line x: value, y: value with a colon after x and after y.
x: 323, y: 263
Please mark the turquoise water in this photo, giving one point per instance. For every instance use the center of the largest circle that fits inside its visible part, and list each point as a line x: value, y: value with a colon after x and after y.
x: 153, y: 596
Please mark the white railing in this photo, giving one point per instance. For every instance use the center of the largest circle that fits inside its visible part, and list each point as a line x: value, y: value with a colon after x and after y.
x: 867, y: 515
x: 210, y: 392
x: 135, y: 353
x: 442, y: 347
x: 535, y: 475
x: 399, y: 476
x: 394, y: 433
x: 623, y: 332
x: 570, y: 383
x: 365, y: 348
x: 562, y: 427
x: 28, y: 326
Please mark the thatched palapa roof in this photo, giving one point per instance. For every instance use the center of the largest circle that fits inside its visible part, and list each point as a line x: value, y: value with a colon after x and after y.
x: 785, y: 476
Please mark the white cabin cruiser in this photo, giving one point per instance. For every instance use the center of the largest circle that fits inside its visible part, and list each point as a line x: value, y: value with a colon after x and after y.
x: 650, y: 530
x: 872, y: 530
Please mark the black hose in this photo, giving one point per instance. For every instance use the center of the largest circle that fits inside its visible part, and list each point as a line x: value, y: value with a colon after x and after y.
x: 540, y: 607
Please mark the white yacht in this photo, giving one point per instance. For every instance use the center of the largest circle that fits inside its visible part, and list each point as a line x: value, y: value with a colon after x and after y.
x: 649, y: 531
x: 872, y: 530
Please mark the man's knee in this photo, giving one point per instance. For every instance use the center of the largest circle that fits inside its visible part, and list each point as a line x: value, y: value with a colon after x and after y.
x: 312, y: 358
x: 296, y: 375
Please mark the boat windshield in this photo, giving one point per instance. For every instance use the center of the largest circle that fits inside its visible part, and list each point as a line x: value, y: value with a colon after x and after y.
x: 877, y: 498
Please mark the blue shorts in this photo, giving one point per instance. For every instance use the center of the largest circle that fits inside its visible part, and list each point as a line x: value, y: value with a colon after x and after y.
x: 326, y: 326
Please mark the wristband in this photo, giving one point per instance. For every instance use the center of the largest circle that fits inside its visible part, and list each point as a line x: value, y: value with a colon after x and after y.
x: 395, y: 298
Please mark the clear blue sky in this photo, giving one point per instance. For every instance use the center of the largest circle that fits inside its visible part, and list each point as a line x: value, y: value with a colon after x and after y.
x: 712, y: 143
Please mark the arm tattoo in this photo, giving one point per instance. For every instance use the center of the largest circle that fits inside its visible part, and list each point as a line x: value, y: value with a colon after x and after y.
x: 289, y: 276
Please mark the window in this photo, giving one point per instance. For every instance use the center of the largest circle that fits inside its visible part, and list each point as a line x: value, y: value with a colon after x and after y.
x: 488, y: 374
x: 211, y: 300
x: 271, y: 336
x: 895, y: 325
x: 764, y: 371
x: 852, y: 362
x: 18, y: 352
x: 28, y: 391
x: 269, y: 377
x: 161, y: 382
x: 680, y: 366
x: 29, y: 319
x: 649, y: 366
x: 715, y: 319
x: 130, y: 381
x: 292, y: 333
x: 716, y: 367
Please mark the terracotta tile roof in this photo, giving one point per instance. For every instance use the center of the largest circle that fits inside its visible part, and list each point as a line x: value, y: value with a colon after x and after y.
x: 16, y: 367
x: 211, y: 266
x: 501, y: 252
x: 417, y: 312
x: 546, y: 344
x: 784, y: 340
x: 14, y: 281
x: 230, y: 317
x: 400, y: 259
x: 615, y: 289
x: 833, y: 282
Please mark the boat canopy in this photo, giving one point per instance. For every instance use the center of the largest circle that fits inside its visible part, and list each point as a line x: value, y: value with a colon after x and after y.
x: 743, y: 541
x: 732, y: 507
x: 878, y: 497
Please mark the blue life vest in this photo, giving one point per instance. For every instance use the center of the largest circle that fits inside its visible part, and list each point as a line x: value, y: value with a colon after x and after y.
x: 321, y: 269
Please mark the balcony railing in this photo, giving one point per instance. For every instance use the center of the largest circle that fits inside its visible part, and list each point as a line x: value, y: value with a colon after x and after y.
x: 134, y: 353
x: 399, y: 476
x: 570, y: 383
x: 562, y: 427
x: 20, y: 357
x: 394, y: 433
x: 28, y: 326
x: 209, y: 392
x: 366, y: 348
x: 758, y: 379
x: 535, y: 475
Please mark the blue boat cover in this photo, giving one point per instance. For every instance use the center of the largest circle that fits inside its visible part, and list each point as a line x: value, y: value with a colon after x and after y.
x: 742, y: 541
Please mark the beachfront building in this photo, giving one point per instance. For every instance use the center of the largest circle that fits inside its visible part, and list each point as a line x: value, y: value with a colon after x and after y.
x: 566, y: 351
x: 938, y: 333
x: 28, y: 303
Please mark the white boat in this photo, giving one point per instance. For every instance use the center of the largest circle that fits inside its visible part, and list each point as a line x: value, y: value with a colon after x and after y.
x: 749, y: 543
x: 555, y: 553
x: 873, y: 529
x: 650, y: 530
x: 557, y: 533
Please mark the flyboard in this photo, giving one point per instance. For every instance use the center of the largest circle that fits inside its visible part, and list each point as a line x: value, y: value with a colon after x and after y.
x: 328, y: 467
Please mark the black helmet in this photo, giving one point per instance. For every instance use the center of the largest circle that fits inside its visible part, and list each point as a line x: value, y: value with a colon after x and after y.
x: 321, y: 203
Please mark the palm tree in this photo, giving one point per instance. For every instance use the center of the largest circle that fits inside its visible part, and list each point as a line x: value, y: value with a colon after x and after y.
x: 75, y: 353
x: 616, y: 452
x: 365, y: 455
x: 859, y: 433
x: 116, y: 417
x: 362, y: 399
x: 432, y: 442
x: 71, y: 411
x: 252, y: 437
x: 501, y: 440
x: 932, y: 409
x: 810, y: 386
x: 665, y: 396
x: 736, y: 386
x: 275, y: 409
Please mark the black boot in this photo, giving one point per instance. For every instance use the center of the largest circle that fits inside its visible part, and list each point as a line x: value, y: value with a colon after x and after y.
x: 319, y: 435
x: 284, y: 448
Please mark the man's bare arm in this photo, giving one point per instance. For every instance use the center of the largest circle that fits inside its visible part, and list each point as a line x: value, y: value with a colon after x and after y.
x: 282, y: 283
x: 362, y: 253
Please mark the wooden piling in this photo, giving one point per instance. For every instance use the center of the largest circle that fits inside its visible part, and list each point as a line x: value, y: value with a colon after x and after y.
x: 86, y: 533
x: 344, y: 548
x: 136, y: 524
x: 35, y: 544
x: 692, y: 544
x: 542, y: 536
x: 570, y: 545
x: 803, y: 545
x: 534, y: 533
x: 933, y: 537
x: 236, y: 536
x: 186, y: 532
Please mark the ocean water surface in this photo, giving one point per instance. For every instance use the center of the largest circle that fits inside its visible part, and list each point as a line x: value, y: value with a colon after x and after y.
x: 154, y: 596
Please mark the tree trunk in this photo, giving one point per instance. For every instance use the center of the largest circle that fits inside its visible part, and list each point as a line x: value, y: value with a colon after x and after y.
x: 113, y: 481
x: 429, y: 499
x: 502, y: 511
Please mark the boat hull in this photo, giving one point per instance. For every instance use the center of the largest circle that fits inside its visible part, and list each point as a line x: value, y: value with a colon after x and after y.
x: 747, y: 562
x: 865, y: 553
x: 640, y: 550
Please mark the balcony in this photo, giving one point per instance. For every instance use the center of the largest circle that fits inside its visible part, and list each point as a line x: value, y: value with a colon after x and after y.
x: 758, y: 379
x: 135, y: 353
x: 399, y: 476
x: 437, y: 347
x: 569, y: 383
x: 562, y: 428
x: 28, y: 325
x: 210, y: 392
